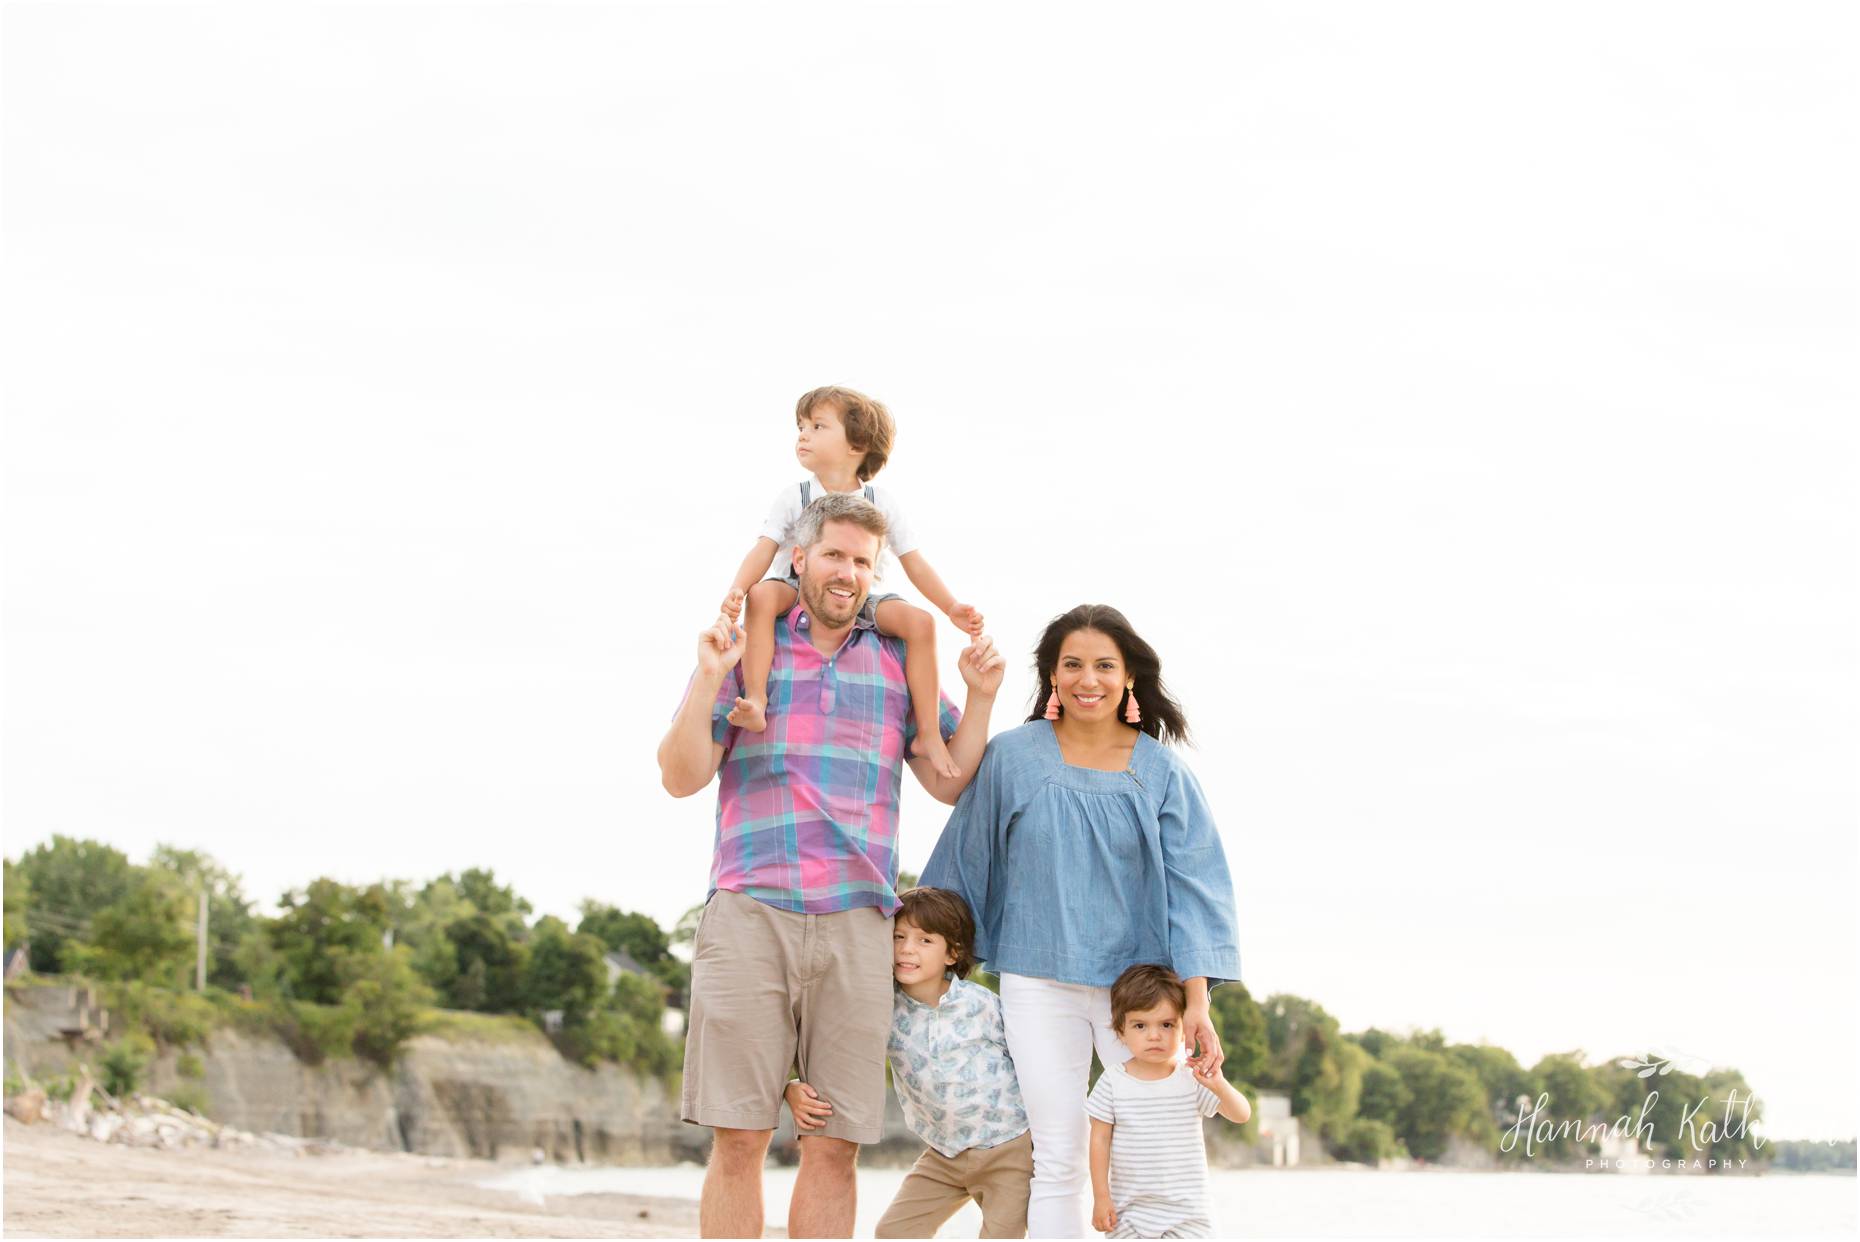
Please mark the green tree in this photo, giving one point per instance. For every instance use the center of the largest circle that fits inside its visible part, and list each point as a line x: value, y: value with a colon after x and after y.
x: 71, y: 880
x: 479, y: 886
x: 385, y: 998
x: 627, y: 1028
x: 1732, y: 1111
x: 642, y: 939
x: 1366, y: 1141
x: 258, y: 964
x: 316, y: 922
x: 1444, y: 1100
x: 625, y: 931
x: 1502, y: 1081
x: 1384, y: 1095
x: 1500, y: 1077
x: 565, y: 971
x: 1576, y: 1094
x: 1241, y: 1025
x: 1312, y: 1060
x: 1290, y: 1021
x: 146, y: 934
x: 1377, y: 1043
x: 490, y: 977
x: 1688, y: 1114
x: 229, y: 913
x: 420, y: 919
x: 18, y: 896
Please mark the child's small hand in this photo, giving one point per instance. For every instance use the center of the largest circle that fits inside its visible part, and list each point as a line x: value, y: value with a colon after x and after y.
x: 967, y: 617
x: 1103, y: 1216
x: 733, y: 605
x: 810, y: 1111
x: 1207, y: 1075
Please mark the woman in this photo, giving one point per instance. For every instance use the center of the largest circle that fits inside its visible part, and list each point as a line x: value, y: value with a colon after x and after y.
x: 1084, y: 846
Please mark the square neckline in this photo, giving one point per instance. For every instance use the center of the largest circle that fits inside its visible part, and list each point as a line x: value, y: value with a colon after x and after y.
x: 1129, y: 769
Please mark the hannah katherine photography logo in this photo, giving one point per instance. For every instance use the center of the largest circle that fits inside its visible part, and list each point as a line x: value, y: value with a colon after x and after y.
x: 1695, y: 1131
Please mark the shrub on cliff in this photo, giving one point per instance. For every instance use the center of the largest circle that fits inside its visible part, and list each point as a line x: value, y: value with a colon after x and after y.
x: 314, y: 1032
x: 387, y: 1001
x: 317, y: 922
x: 122, y: 1064
x: 627, y: 1028
x: 563, y: 971
x: 1366, y: 1141
x: 172, y: 1019
x: 384, y: 1004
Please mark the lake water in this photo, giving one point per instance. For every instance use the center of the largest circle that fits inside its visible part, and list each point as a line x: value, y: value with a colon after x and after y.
x: 1322, y: 1203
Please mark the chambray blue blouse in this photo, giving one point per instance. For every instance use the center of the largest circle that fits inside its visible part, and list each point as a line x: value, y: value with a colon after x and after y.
x: 1074, y: 874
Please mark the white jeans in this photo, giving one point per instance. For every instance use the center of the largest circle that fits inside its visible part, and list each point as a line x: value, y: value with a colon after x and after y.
x: 1051, y: 1029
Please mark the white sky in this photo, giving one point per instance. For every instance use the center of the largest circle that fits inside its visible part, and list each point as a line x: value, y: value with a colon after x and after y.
x: 1460, y: 397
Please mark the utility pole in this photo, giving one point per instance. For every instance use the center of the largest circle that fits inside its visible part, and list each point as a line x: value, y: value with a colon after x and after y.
x: 200, y: 941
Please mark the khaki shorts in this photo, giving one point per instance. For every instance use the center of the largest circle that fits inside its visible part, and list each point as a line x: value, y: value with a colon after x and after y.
x: 771, y: 989
x: 997, y: 1178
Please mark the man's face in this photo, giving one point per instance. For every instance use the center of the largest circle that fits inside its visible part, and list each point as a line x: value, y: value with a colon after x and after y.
x: 836, y: 573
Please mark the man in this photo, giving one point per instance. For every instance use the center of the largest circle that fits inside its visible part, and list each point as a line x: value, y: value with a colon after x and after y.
x: 792, y: 961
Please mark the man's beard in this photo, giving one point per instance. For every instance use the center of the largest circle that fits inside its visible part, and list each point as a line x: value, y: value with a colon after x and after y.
x: 825, y: 605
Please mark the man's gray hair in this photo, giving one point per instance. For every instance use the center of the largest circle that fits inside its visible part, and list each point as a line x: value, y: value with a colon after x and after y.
x: 839, y: 507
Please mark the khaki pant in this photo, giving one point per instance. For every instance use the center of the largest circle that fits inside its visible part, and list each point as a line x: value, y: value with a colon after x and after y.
x: 772, y: 989
x: 937, y: 1185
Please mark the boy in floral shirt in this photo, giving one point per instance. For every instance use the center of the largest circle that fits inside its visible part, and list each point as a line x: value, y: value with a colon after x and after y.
x: 954, y: 1079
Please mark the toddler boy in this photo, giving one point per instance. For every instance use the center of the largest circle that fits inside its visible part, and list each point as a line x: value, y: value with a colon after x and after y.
x: 1149, y: 1165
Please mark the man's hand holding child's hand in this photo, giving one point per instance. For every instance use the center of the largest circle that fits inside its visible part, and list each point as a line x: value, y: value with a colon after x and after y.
x: 719, y: 648
x: 981, y: 666
x: 810, y: 1111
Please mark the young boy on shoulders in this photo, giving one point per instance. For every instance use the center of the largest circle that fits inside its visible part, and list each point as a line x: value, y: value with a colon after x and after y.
x: 843, y: 439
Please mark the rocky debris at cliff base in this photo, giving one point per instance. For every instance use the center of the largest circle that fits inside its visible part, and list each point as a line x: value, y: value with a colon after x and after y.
x: 146, y: 1121
x: 28, y: 1106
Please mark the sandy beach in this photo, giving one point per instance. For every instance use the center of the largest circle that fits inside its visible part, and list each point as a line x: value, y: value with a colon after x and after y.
x: 60, y: 1185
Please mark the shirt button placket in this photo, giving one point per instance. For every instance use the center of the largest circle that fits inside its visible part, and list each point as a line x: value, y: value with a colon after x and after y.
x: 829, y: 685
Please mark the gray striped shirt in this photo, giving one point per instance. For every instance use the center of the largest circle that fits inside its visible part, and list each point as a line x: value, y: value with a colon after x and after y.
x: 1159, y: 1164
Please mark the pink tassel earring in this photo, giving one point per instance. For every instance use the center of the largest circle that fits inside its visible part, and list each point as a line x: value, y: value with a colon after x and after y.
x: 1052, y: 704
x: 1132, y: 715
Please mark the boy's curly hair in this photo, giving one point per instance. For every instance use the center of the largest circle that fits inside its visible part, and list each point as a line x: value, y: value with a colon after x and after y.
x: 942, y: 913
x: 869, y: 428
x: 1145, y: 987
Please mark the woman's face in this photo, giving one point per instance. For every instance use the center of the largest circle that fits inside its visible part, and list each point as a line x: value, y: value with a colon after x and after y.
x: 1090, y: 675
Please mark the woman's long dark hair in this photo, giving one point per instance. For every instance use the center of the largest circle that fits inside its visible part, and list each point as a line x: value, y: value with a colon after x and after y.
x: 1162, y: 715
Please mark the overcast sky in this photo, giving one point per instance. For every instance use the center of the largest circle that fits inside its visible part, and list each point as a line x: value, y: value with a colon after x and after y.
x: 1460, y: 397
